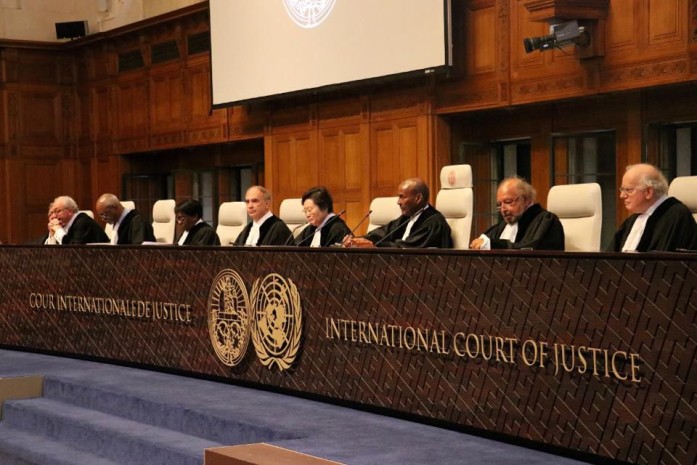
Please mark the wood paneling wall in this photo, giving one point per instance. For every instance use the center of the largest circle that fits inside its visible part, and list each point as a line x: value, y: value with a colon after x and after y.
x: 68, y: 114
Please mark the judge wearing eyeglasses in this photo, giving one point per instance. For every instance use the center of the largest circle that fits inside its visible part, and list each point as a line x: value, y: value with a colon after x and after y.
x: 657, y: 222
x: 524, y: 223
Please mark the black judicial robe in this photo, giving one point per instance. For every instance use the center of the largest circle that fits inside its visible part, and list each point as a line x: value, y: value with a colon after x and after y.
x: 84, y: 230
x: 273, y: 231
x: 332, y: 233
x: 202, y: 234
x: 670, y: 227
x: 134, y: 229
x: 429, y: 230
x: 538, y: 229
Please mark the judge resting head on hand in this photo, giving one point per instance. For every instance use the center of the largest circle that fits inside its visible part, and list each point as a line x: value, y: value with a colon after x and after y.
x: 62, y: 211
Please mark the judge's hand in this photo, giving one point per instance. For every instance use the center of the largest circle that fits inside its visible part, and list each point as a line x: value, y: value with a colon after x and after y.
x: 361, y: 242
x: 477, y: 243
x: 53, y: 226
x: 350, y: 241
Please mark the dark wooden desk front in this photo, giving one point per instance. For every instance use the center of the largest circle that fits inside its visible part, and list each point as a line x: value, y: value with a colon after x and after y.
x: 588, y: 352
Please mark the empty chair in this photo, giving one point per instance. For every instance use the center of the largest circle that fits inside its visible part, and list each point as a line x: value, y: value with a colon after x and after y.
x: 382, y: 211
x: 127, y: 204
x: 163, y: 221
x: 684, y: 188
x: 292, y: 214
x: 455, y: 202
x: 232, y: 218
x: 580, y: 210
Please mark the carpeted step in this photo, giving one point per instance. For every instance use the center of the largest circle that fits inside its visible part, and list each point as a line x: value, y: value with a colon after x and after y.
x: 19, y: 447
x: 118, y: 439
x: 153, y: 407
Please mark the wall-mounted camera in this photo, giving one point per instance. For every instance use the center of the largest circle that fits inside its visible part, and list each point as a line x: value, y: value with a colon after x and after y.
x: 560, y: 35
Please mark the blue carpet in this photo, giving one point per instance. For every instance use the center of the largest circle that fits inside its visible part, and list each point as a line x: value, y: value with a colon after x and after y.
x: 95, y: 413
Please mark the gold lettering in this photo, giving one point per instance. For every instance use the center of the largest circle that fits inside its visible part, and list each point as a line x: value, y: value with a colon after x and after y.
x: 372, y: 334
x: 583, y: 367
x: 456, y: 347
x: 634, y: 365
x: 421, y: 339
x: 543, y: 354
x: 472, y: 337
x: 486, y: 344
x: 615, y: 371
x: 529, y: 346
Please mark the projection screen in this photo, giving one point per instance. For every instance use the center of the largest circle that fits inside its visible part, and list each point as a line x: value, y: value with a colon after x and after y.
x: 264, y: 48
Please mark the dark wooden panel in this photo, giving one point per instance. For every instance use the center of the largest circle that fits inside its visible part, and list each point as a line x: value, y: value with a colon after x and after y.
x: 589, y: 352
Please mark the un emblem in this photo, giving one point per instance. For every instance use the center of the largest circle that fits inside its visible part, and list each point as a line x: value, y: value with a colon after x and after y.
x: 308, y: 13
x: 229, y: 317
x: 277, y: 321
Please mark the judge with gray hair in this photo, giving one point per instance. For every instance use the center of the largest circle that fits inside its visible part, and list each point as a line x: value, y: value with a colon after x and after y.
x: 70, y: 226
x: 657, y: 222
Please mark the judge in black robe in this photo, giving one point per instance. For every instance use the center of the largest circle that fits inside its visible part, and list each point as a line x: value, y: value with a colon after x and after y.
x: 319, y: 212
x: 70, y: 226
x: 670, y: 227
x: 188, y: 215
x: 273, y: 231
x: 130, y: 227
x: 537, y: 228
x: 428, y: 229
x: 202, y: 233
x: 332, y: 233
x: 669, y: 224
x: 134, y: 229
x: 84, y: 230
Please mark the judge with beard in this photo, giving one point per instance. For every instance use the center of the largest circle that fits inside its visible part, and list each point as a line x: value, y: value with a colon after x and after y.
x: 524, y: 223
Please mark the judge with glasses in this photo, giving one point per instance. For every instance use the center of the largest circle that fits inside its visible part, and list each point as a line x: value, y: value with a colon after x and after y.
x: 524, y: 223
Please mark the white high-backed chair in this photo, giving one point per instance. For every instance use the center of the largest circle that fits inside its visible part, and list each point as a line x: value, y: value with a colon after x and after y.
x: 382, y: 211
x: 128, y: 204
x: 163, y: 222
x: 292, y: 214
x: 580, y: 210
x: 455, y: 201
x: 89, y: 213
x: 684, y: 188
x: 232, y: 218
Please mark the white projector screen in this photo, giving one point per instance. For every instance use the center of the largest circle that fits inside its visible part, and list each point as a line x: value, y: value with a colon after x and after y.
x: 262, y: 48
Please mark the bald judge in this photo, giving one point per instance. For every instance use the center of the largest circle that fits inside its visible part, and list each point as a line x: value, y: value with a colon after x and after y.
x: 419, y: 226
x: 129, y: 226
x: 265, y: 227
x: 657, y: 222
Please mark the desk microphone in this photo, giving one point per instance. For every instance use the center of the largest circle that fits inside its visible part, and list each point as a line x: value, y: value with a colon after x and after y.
x: 322, y: 226
x: 360, y: 222
x: 292, y: 233
x: 417, y: 213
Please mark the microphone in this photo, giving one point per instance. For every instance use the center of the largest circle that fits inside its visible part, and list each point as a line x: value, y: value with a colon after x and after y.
x: 360, y: 222
x: 292, y: 233
x: 418, y: 212
x: 322, y: 226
